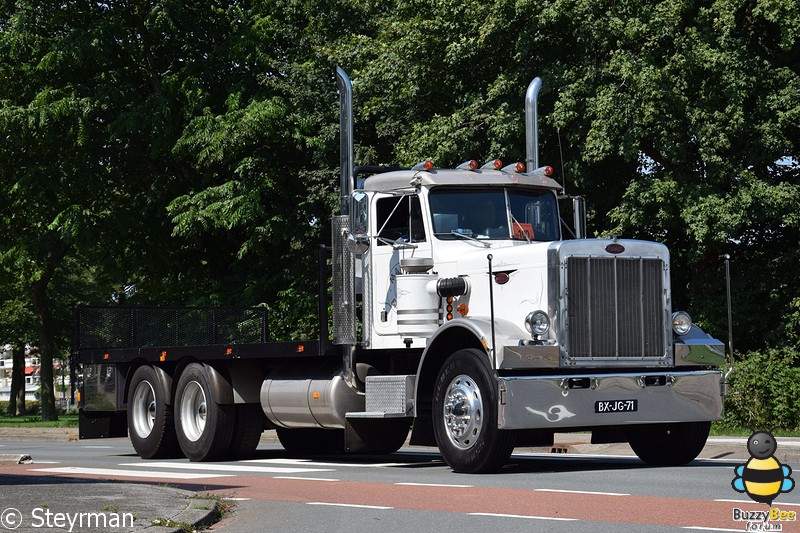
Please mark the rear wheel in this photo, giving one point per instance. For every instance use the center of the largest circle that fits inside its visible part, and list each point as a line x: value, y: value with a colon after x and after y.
x: 204, y: 427
x: 669, y: 444
x: 248, y: 430
x: 150, y: 420
x: 465, y: 415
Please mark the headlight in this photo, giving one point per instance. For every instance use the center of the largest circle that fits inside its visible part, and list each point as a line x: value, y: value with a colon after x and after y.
x: 681, y: 322
x: 537, y: 323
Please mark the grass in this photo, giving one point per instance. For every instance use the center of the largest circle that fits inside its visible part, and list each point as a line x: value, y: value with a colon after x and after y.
x: 35, y: 421
x: 720, y: 429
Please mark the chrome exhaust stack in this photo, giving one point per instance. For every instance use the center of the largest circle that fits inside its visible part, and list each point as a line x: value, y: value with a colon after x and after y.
x: 344, y: 294
x: 531, y: 125
x: 346, y: 137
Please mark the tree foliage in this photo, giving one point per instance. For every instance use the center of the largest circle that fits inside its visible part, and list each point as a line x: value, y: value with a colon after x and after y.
x: 172, y: 152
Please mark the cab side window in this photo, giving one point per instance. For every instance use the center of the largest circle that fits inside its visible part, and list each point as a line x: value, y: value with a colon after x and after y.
x: 399, y: 219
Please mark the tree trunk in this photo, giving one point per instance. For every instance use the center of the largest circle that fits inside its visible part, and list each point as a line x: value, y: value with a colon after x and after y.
x: 16, y: 401
x: 45, y: 328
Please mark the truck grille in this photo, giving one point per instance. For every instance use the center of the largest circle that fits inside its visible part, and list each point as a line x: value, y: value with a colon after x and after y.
x: 615, y: 308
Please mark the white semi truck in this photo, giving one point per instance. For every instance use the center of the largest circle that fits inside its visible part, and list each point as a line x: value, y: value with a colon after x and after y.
x: 461, y: 314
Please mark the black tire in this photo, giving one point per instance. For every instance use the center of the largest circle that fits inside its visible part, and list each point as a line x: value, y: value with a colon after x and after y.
x: 150, y: 421
x: 465, y: 415
x: 247, y: 432
x: 204, y: 427
x: 311, y: 441
x: 669, y: 444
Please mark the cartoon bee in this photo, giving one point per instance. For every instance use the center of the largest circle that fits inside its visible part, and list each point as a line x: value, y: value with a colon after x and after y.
x: 762, y: 477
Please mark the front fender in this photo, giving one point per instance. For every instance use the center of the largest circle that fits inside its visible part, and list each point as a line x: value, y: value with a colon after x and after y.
x: 458, y: 334
x: 506, y: 333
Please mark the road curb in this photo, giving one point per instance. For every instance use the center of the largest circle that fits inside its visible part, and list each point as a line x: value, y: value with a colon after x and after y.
x: 15, y: 459
x: 194, y: 517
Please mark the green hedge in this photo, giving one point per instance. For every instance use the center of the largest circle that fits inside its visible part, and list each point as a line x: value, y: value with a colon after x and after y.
x: 32, y: 408
x: 764, y: 391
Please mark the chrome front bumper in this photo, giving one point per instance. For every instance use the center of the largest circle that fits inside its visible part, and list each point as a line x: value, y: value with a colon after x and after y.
x: 572, y: 400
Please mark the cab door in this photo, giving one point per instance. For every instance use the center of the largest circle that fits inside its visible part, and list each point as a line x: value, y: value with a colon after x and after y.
x: 399, y: 231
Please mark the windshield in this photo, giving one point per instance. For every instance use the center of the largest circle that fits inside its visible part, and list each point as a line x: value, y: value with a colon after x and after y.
x: 494, y: 214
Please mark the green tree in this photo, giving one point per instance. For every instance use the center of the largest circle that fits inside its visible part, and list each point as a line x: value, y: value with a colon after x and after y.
x: 678, y: 120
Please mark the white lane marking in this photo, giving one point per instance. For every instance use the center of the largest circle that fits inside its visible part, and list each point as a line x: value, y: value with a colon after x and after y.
x: 743, y: 441
x: 583, y: 492
x: 232, y: 468
x: 308, y: 462
x: 380, y: 507
x: 125, y: 473
x: 96, y: 447
x: 782, y: 504
x: 306, y: 478
x: 237, y: 499
x: 47, y: 462
x: 435, y: 485
x: 501, y: 515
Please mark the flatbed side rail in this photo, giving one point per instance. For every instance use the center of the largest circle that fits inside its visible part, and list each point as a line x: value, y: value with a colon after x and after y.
x: 116, y: 327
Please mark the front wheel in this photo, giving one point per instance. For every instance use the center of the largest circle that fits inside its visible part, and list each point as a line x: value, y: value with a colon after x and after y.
x: 204, y: 427
x: 669, y: 444
x: 465, y: 415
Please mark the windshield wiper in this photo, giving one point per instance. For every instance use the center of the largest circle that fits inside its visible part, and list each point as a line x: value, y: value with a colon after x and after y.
x: 467, y: 237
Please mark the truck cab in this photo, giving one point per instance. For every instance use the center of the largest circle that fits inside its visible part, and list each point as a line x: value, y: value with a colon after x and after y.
x: 428, y: 226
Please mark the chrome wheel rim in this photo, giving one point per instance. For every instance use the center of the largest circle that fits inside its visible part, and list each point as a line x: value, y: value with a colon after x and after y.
x: 463, y: 412
x: 193, y: 411
x: 144, y: 409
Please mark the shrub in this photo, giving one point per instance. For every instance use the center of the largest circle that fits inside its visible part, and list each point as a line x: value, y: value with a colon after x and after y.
x: 32, y: 407
x: 764, y: 391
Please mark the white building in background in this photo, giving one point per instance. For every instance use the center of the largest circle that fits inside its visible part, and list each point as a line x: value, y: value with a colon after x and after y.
x: 33, y: 365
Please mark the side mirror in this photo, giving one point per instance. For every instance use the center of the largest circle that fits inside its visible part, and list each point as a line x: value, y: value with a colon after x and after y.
x: 358, y: 240
x: 360, y: 213
x: 579, y: 214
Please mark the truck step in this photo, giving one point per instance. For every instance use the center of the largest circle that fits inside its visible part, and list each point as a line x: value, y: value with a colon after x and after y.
x: 388, y: 397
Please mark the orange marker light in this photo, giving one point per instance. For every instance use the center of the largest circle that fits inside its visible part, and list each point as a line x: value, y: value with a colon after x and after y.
x: 548, y: 171
x: 105, y: 356
x: 497, y: 164
x: 520, y: 167
x: 163, y: 356
x: 463, y: 309
x: 316, y: 395
x: 228, y: 351
x: 300, y: 348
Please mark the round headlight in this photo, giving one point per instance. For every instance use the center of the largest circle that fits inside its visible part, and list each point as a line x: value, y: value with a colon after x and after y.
x: 681, y: 322
x: 537, y: 323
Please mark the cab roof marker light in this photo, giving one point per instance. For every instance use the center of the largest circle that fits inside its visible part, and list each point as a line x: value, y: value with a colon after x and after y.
x: 424, y: 165
x: 548, y: 171
x: 468, y: 165
x: 514, y: 167
x: 495, y: 164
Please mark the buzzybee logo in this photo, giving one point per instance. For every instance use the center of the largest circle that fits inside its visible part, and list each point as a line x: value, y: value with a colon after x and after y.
x: 762, y: 477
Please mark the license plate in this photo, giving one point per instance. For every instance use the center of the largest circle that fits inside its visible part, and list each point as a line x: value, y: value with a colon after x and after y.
x: 616, y: 406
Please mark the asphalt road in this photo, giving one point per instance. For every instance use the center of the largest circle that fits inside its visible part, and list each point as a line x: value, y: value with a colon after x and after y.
x: 413, y: 490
